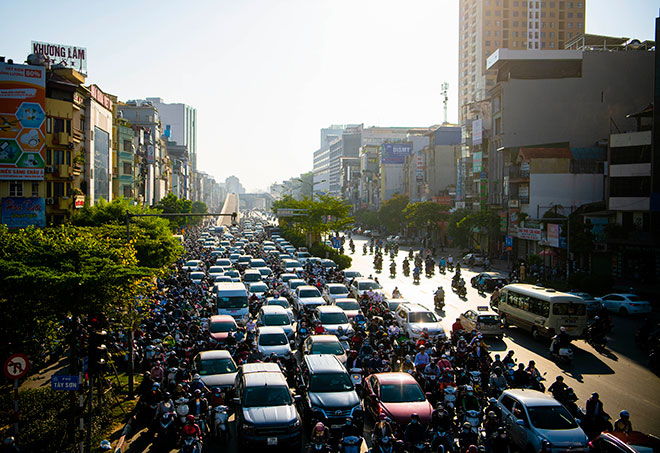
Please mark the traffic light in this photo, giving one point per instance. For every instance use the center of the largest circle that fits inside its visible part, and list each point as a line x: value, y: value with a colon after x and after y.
x: 233, y: 218
x: 98, y: 351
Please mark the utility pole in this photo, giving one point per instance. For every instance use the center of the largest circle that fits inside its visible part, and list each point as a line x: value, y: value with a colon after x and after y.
x: 444, y: 87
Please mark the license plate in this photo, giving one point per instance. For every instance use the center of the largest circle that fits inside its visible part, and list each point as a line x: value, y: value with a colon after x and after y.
x: 272, y: 441
x: 336, y: 426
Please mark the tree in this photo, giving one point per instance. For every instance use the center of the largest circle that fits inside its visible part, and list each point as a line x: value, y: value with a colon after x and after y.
x: 463, y: 230
x: 171, y: 204
x: 425, y: 215
x: 391, y: 212
x: 367, y: 218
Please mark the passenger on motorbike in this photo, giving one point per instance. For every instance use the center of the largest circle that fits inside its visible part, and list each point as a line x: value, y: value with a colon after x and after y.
x: 508, y: 359
x: 444, y: 363
x: 414, y: 432
x: 191, y: 429
x: 470, y: 402
x: 623, y: 423
x: 320, y: 434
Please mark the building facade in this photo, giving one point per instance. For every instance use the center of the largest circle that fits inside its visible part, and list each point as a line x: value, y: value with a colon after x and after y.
x: 179, y: 123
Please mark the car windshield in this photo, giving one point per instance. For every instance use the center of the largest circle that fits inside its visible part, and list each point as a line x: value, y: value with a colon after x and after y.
x: 266, y: 396
x: 401, y: 393
x: 197, y: 275
x: 220, y: 327
x: 338, y: 290
x: 327, y: 348
x: 635, y: 299
x: 551, y: 417
x: 348, y: 305
x: 258, y: 288
x: 279, y: 301
x: 192, y: 263
x: 231, y: 273
x: 216, y: 366
x: 272, y: 339
x: 278, y: 319
x: 569, y: 309
x: 309, y: 293
x: 422, y: 316
x: 291, y: 264
x: 489, y: 319
x: 330, y: 382
x: 232, y: 302
x: 365, y: 286
x: 258, y: 263
x: 333, y: 318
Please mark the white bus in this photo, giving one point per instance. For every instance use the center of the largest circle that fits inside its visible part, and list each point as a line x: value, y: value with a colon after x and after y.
x: 542, y: 311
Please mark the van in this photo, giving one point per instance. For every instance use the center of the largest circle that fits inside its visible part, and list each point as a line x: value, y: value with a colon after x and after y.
x: 232, y: 299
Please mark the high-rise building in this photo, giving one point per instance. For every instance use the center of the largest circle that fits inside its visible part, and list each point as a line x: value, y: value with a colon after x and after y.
x: 179, y: 125
x: 487, y: 25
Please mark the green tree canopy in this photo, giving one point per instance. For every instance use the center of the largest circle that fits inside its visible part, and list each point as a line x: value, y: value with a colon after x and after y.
x: 391, y: 214
x: 368, y: 218
x: 464, y: 223
x: 425, y: 215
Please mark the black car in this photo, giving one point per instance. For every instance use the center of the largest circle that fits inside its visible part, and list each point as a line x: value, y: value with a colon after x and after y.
x: 328, y: 392
x: 488, y: 280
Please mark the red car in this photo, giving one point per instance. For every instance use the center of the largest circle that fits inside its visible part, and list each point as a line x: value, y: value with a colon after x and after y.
x: 398, y: 395
x: 220, y: 326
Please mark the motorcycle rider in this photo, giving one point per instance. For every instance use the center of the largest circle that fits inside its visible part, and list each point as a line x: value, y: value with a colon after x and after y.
x: 439, y: 296
x: 563, y: 340
x: 500, y: 443
x: 498, y: 382
x: 199, y: 407
x: 320, y: 434
x: 470, y: 402
x: 520, y: 377
x: 595, y: 417
x: 191, y: 429
x: 467, y: 437
x: 396, y: 294
x: 349, y: 429
x: 414, y: 432
x: 558, y: 389
x: 535, y: 376
x: 623, y: 423
x: 422, y: 358
x: 508, y: 359
x: 381, y: 429
x: 442, y: 424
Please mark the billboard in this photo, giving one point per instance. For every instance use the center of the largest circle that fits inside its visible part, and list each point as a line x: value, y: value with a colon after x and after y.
x: 476, y: 162
x: 20, y: 212
x: 553, y: 235
x: 395, y: 153
x: 477, y: 132
x: 69, y: 56
x: 22, y: 121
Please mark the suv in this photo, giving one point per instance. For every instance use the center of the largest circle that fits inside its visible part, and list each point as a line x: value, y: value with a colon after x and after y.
x: 328, y: 392
x: 307, y: 298
x: 414, y: 319
x: 534, y: 418
x: 333, y: 291
x: 332, y: 318
x: 363, y: 285
x: 268, y: 415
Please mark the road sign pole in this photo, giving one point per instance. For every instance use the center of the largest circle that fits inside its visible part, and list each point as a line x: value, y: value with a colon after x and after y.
x: 16, y: 406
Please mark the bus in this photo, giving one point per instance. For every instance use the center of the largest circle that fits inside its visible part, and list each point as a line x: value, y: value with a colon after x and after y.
x: 542, y: 311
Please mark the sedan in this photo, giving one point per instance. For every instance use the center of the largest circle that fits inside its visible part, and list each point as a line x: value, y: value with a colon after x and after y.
x: 273, y: 340
x: 324, y: 344
x: 333, y: 291
x: 349, y: 305
x: 475, y: 258
x: 220, y: 326
x: 593, y: 304
x: 488, y: 281
x: 625, y: 304
x: 398, y: 395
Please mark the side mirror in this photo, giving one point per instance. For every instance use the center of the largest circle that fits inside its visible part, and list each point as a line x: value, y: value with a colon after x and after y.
x: 297, y: 398
x: 520, y: 422
x: 236, y: 401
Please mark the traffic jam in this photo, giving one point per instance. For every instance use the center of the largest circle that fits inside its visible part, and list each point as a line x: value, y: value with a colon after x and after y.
x: 254, y: 343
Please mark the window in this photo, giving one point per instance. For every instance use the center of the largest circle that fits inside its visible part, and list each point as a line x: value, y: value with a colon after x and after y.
x: 35, y: 189
x: 579, y: 25
x: 58, y: 125
x: 15, y: 188
x: 49, y: 125
x: 127, y: 168
x: 569, y: 15
x: 552, y: 45
x: 487, y: 12
x: 128, y: 145
x: 515, y: 14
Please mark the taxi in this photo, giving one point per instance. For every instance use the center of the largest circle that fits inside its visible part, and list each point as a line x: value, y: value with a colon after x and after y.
x: 483, y: 320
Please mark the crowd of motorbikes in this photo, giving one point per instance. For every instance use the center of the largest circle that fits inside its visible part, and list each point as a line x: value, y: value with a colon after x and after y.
x: 458, y: 374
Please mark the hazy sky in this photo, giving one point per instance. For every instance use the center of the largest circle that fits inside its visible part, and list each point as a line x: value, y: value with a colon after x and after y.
x: 266, y: 75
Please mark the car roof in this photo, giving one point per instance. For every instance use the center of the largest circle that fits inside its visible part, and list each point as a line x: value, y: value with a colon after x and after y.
x: 215, y: 354
x: 273, y: 309
x: 324, y: 338
x: 493, y: 274
x: 260, y: 367
x: 334, y: 285
x: 306, y: 287
x: 329, y: 308
x: 344, y: 299
x: 271, y: 329
x: 263, y: 379
x: 222, y: 318
x: 324, y: 363
x: 413, y: 307
x: 531, y: 397
x: 395, y: 378
x: 364, y: 279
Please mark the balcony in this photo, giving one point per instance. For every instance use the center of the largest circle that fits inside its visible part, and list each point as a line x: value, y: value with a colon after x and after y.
x: 64, y: 171
x: 61, y: 138
x: 516, y: 175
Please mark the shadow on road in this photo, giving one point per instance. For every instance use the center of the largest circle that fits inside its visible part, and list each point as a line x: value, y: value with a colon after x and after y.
x: 584, y: 361
x: 495, y: 344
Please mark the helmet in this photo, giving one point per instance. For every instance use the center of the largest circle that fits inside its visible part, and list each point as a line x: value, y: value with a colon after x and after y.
x: 166, y: 395
x: 197, y: 392
x: 510, y: 352
x: 319, y: 427
x: 382, y: 416
x: 197, y: 377
x: 190, y: 418
x: 596, y: 318
x: 414, y: 416
x: 492, y: 400
x: 594, y: 395
x: 467, y: 425
x: 532, y: 363
x: 156, y: 385
x: 491, y: 414
x: 624, y: 414
x: 469, y: 388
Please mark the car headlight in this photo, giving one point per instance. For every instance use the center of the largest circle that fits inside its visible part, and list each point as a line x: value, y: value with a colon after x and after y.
x: 416, y: 329
x: 247, y: 427
x: 295, y: 424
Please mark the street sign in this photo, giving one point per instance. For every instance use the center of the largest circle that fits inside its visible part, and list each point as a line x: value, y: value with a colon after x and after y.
x: 16, y: 366
x: 284, y: 212
x: 64, y: 382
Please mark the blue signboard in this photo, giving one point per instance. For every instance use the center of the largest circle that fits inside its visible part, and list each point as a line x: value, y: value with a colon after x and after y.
x: 395, y: 153
x: 64, y: 382
x: 18, y: 212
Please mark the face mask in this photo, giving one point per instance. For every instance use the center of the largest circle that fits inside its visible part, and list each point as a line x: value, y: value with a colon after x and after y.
x: 469, y: 393
x: 413, y: 421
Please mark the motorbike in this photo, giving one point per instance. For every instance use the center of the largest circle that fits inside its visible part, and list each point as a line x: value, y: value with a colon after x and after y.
x: 461, y: 291
x: 416, y: 277
x: 596, y: 338
x: 350, y: 444
x: 439, y: 300
x: 166, y: 428
x: 220, y: 418
x: 319, y: 447
x: 384, y: 445
x: 406, y: 268
x: 191, y: 445
x: 351, y: 245
x: 420, y: 447
x: 560, y: 354
x: 364, y: 249
x: 182, y: 409
x: 441, y: 441
x: 392, y: 270
x: 474, y: 418
x: 378, y: 266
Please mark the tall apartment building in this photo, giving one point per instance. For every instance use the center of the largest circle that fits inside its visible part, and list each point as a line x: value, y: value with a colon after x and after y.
x: 179, y: 125
x: 487, y: 25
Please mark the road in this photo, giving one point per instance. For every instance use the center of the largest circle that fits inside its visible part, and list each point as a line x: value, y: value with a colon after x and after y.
x: 618, y: 374
x: 231, y: 205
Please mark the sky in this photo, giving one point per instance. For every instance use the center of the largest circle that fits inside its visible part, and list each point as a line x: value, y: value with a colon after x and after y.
x: 266, y: 75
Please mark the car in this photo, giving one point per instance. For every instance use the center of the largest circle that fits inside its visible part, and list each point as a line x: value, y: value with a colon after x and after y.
x: 292, y: 266
x: 303, y: 256
x: 350, y: 274
x: 307, y: 297
x: 415, y: 319
x: 258, y: 289
x: 294, y: 283
x: 626, y: 304
x: 233, y: 257
x: 476, y: 258
x: 265, y: 271
x: 398, y: 395
x: 363, y: 285
x: 216, y: 269
x: 489, y: 281
x: 393, y: 304
x: 333, y: 318
x: 233, y: 274
x: 197, y: 277
x: 216, y: 368
x: 274, y: 315
x: 621, y: 442
x: 281, y: 302
x: 350, y: 306
x: 222, y: 278
x: 594, y: 305
x: 287, y: 277
x: 324, y: 344
x: 267, y: 414
x: 220, y: 326
x: 328, y: 394
x: 243, y: 260
x: 332, y: 291
x: 533, y: 418
x: 273, y: 340
x: 256, y: 263
x: 193, y: 265
x: 328, y: 264
x: 483, y: 320
x: 251, y: 276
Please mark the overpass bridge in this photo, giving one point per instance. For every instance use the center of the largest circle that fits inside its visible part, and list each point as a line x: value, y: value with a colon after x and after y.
x: 232, y: 204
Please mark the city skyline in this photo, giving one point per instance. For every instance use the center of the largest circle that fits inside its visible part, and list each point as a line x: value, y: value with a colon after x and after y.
x: 265, y: 77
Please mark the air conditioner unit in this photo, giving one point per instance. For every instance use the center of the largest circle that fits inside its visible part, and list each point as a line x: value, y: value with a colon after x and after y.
x: 64, y: 171
x: 50, y: 201
x: 50, y: 169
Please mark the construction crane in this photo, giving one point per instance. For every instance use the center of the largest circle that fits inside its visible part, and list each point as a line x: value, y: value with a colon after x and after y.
x: 444, y: 87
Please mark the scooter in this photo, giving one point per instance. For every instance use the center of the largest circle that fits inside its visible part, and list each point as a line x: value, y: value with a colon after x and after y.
x: 350, y: 444
x: 439, y: 300
x: 319, y: 447
x: 416, y: 278
x: 220, y: 418
x: 474, y: 419
x: 560, y: 354
x: 182, y: 410
x: 461, y: 291
x: 191, y: 445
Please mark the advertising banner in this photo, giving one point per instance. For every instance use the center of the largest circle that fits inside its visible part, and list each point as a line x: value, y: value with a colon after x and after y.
x: 508, y: 243
x: 477, y: 132
x: 531, y: 234
x: 553, y: 235
x: 22, y: 121
x: 420, y: 167
x: 476, y: 162
x: 19, y: 212
x: 395, y: 153
x: 69, y: 56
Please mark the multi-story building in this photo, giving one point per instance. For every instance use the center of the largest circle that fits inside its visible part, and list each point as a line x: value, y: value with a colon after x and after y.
x: 233, y: 185
x: 321, y: 163
x: 369, y: 177
x: 98, y: 145
x: 123, y: 157
x: 181, y: 170
x: 179, y: 123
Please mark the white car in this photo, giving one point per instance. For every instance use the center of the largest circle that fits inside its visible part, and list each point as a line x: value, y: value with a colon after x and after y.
x: 258, y: 289
x: 281, y: 302
x: 351, y: 274
x: 625, y: 304
x: 197, y: 277
x: 273, y: 340
x: 307, y: 297
x: 275, y: 316
x: 414, y: 320
x: 332, y: 318
x: 332, y: 291
x: 350, y: 306
x: 193, y: 265
x: 363, y: 285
